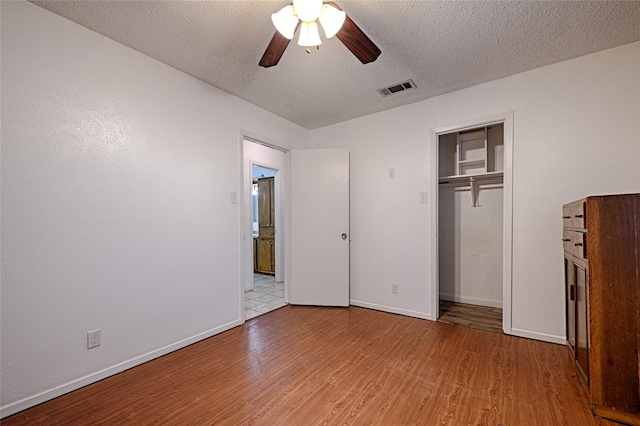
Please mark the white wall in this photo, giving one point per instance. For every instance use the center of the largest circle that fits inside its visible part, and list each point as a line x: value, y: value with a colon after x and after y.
x: 116, y: 214
x: 389, y: 232
x: 470, y: 244
x: 576, y: 133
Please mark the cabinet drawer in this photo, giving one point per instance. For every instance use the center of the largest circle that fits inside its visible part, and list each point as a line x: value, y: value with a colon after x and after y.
x: 573, y: 215
x: 575, y: 243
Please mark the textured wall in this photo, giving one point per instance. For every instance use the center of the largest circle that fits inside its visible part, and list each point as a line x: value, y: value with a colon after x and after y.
x: 116, y: 180
x: 576, y: 133
x: 390, y: 234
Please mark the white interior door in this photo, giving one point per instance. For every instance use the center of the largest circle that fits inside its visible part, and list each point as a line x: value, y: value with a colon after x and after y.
x: 319, y: 227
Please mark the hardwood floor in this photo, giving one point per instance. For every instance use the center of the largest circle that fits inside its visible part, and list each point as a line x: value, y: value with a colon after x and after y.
x: 308, y: 365
x: 481, y: 317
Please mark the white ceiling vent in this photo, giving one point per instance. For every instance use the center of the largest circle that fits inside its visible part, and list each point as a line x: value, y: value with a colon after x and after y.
x: 397, y: 88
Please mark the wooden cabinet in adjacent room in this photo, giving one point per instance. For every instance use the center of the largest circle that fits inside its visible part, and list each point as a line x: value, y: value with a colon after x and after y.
x: 265, y: 256
x: 265, y: 252
x: 601, y: 240
x: 266, y: 203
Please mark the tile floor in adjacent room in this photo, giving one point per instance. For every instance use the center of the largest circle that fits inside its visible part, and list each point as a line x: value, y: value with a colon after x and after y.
x: 266, y: 296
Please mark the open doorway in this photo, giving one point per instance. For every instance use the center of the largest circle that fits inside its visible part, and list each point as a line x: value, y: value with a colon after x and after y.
x: 264, y: 281
x: 267, y: 294
x: 473, y: 225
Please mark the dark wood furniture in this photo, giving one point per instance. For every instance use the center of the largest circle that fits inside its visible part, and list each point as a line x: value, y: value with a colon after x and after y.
x: 265, y: 252
x: 601, y: 239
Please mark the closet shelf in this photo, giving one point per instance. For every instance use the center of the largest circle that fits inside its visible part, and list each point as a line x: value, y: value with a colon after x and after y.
x: 471, y: 159
x: 468, y: 178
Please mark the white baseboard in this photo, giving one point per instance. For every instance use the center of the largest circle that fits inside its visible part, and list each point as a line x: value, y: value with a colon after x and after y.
x: 550, y: 338
x: 560, y: 340
x: 471, y: 300
x: 57, y: 391
x: 390, y: 309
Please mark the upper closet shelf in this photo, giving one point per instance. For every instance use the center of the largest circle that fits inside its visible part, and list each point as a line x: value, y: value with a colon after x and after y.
x: 472, y: 158
x: 475, y: 152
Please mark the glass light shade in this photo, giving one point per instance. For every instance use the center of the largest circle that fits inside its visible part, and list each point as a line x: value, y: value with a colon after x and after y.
x: 285, y: 21
x: 307, y: 10
x: 309, y: 35
x: 332, y: 20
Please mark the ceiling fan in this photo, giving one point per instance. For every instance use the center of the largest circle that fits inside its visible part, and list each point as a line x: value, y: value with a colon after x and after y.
x: 303, y: 14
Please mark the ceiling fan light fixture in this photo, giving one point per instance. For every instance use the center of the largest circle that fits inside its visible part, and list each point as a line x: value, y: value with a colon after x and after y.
x: 307, y: 10
x: 309, y: 35
x: 305, y: 14
x: 332, y: 20
x: 285, y: 21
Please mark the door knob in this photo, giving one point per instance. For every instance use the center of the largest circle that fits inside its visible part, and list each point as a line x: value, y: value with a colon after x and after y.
x: 344, y: 236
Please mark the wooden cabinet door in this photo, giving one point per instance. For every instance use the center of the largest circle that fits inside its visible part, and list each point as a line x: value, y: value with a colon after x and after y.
x: 576, y: 283
x: 570, y: 286
x: 265, y: 256
x: 266, y: 203
x: 582, y: 320
x: 255, y: 254
x: 273, y: 257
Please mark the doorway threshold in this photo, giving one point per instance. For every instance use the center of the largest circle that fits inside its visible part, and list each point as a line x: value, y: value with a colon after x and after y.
x: 473, y: 316
x: 266, y: 296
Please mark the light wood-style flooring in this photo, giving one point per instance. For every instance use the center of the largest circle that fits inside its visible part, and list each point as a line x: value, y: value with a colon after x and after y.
x: 336, y: 366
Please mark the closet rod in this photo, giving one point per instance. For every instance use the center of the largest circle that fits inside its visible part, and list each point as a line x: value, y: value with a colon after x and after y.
x: 466, y: 178
x: 457, y: 181
x: 474, y: 184
x: 484, y: 183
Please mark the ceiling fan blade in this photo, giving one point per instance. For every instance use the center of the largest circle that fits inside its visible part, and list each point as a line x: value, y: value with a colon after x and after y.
x: 274, y: 50
x: 356, y: 41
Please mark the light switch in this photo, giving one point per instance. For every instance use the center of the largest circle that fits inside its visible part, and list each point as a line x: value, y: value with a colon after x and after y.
x: 423, y: 197
x: 234, y: 198
x: 392, y: 173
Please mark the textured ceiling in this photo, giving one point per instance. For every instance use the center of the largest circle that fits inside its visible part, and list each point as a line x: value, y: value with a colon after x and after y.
x: 441, y: 45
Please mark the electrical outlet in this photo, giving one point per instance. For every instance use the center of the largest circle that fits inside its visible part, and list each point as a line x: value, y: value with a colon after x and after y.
x: 394, y: 288
x: 93, y: 339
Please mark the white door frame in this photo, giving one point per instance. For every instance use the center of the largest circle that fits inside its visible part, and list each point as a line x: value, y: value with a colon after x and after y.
x: 507, y: 235
x: 246, y: 229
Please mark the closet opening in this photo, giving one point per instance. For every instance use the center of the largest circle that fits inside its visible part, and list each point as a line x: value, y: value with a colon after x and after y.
x: 471, y: 223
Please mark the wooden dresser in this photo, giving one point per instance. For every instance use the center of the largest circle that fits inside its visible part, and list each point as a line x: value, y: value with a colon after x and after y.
x: 601, y: 239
